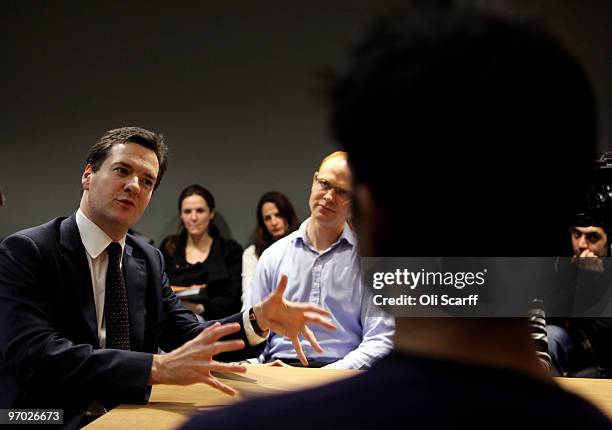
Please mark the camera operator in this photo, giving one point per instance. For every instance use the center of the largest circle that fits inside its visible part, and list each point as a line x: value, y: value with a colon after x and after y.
x: 590, y: 239
x: 583, y: 346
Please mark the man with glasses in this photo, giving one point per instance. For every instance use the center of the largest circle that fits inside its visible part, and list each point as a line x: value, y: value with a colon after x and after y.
x: 321, y: 260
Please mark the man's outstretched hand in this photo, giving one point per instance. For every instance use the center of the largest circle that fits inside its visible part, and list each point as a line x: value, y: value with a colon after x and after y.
x: 193, y: 361
x: 290, y: 319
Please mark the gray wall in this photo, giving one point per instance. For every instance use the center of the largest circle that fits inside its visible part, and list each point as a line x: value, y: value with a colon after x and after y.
x: 231, y: 85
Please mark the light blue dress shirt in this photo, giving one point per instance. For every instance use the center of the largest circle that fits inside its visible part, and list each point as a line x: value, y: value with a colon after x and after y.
x: 330, y: 279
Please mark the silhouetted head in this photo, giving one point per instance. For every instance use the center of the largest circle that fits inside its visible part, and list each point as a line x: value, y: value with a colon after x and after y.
x: 465, y: 129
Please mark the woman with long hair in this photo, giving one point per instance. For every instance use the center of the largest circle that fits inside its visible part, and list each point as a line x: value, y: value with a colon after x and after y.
x: 276, y: 218
x: 198, y: 255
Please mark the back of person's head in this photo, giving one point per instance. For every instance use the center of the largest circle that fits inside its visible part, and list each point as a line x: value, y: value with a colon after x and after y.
x: 470, y: 129
x: 153, y: 141
x: 263, y: 238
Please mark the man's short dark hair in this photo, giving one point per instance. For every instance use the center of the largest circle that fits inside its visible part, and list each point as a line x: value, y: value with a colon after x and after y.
x: 468, y: 127
x: 153, y: 141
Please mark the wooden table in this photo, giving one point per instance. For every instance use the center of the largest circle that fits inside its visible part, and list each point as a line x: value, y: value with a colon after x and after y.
x: 171, y: 405
x: 598, y: 391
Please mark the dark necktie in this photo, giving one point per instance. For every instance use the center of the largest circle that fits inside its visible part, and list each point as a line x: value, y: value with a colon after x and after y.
x: 115, y: 302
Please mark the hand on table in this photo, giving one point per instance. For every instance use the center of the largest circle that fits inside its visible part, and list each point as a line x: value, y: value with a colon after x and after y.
x: 192, y: 362
x: 290, y: 319
x: 275, y: 363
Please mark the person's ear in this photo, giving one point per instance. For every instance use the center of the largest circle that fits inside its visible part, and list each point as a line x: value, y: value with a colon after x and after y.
x: 86, y: 178
x: 212, y: 214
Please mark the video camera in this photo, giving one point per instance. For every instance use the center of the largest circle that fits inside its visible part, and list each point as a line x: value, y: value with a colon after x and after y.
x: 599, y: 195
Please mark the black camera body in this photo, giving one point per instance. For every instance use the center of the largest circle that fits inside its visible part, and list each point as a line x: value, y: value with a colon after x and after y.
x: 599, y: 195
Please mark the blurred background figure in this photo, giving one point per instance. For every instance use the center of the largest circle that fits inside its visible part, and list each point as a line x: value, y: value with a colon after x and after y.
x: 581, y: 346
x: 276, y: 218
x: 590, y: 231
x: 198, y: 255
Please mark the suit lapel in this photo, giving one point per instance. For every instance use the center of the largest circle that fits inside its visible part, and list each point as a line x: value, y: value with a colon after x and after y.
x: 77, y: 273
x: 135, y: 275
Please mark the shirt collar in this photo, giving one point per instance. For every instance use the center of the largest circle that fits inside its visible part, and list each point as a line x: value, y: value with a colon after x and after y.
x: 348, y: 235
x: 93, y: 237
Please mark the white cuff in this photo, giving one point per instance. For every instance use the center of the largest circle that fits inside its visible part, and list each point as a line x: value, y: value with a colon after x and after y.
x: 253, y: 338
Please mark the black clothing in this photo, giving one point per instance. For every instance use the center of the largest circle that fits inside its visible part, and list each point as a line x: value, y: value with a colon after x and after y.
x: 588, y: 294
x: 416, y: 392
x: 593, y: 340
x: 221, y: 272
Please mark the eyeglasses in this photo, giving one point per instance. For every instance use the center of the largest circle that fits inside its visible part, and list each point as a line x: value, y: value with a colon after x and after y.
x: 342, y: 194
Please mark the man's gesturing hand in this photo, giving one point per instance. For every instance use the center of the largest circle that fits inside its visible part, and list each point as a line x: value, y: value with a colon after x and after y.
x: 289, y: 319
x: 193, y: 361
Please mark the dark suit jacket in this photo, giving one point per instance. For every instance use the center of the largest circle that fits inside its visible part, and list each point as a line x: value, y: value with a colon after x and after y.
x: 49, y: 350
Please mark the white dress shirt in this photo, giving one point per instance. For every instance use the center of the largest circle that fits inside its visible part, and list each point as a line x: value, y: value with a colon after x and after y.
x: 331, y: 279
x: 95, y: 242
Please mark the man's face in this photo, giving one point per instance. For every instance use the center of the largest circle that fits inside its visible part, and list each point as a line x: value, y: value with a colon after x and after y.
x: 116, y: 196
x: 331, y: 193
x: 589, y: 241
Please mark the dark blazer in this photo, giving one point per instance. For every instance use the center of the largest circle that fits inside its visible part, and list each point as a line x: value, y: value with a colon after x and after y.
x: 49, y: 351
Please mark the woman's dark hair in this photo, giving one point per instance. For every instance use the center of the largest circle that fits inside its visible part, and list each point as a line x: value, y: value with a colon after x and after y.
x: 263, y: 238
x: 195, y: 189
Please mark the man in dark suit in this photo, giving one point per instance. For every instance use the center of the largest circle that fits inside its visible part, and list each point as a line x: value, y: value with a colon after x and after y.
x: 85, y: 307
x: 498, y: 126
